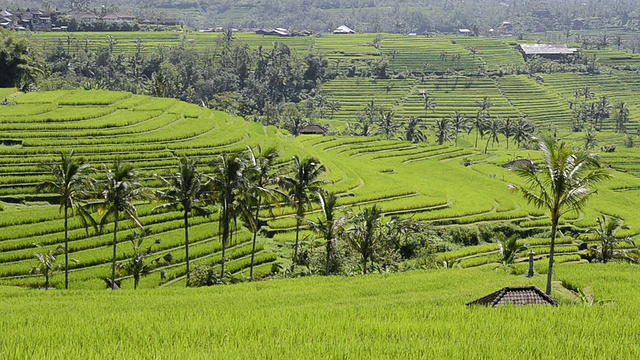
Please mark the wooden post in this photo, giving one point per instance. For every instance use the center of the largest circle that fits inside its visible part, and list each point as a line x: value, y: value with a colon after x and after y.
x: 531, y: 254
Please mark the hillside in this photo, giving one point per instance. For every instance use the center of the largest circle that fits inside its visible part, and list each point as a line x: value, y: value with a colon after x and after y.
x: 427, y: 182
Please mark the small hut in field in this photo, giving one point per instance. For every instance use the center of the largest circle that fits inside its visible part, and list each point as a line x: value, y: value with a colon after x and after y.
x: 528, y: 295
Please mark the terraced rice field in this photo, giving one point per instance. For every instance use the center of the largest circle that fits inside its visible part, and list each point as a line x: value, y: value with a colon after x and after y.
x: 427, y: 182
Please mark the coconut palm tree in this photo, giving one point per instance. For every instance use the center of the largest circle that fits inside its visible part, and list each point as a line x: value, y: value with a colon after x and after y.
x: 119, y: 191
x: 386, y: 125
x: 363, y: 236
x: 228, y: 183
x: 523, y: 131
x: 413, y: 131
x: 260, y: 174
x: 73, y: 183
x: 459, y: 124
x: 508, y: 129
x: 301, y: 187
x: 562, y: 185
x: 621, y: 116
x: 478, y: 123
x: 186, y: 190
x: 443, y: 131
x: 329, y: 226
x: 493, y: 128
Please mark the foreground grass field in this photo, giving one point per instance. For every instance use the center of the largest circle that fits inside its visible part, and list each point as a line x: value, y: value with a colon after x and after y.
x: 412, y: 315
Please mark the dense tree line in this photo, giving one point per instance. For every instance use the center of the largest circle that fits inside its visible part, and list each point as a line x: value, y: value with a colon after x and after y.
x: 239, y: 187
x: 229, y: 76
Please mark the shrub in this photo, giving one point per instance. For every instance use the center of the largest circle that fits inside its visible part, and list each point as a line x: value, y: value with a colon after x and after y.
x: 463, y: 235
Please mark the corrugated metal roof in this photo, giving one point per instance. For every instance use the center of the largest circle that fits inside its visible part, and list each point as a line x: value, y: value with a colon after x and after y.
x: 547, y: 49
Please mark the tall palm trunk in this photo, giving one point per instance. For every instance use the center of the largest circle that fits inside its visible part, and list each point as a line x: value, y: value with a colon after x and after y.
x: 295, y: 247
x: 115, y: 243
x: 225, y: 236
x: 364, y: 265
x: 554, y: 228
x: 329, y: 251
x: 66, y: 246
x: 477, y: 133
x: 186, y: 245
x: 255, y: 238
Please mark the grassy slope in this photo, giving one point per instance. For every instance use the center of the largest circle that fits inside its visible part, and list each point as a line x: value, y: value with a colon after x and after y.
x: 428, y: 182
x: 411, y: 315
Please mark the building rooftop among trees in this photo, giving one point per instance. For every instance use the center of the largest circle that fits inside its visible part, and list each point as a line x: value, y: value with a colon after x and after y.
x: 550, y: 51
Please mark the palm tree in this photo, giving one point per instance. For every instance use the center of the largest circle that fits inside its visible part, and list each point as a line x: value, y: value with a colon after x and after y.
x: 602, y: 110
x: 387, y: 126
x: 494, y: 128
x: 561, y: 186
x: 187, y: 190
x: 120, y: 190
x: 363, y: 235
x: 508, y: 129
x: 136, y: 266
x: 228, y: 183
x: 429, y: 103
x: 443, y: 131
x: 523, y: 130
x: 47, y: 264
x: 459, y: 124
x: 413, y: 131
x: 301, y: 187
x: 260, y: 177
x: 509, y: 248
x: 478, y: 124
x: 606, y: 235
x: 74, y: 185
x: 330, y: 226
x: 621, y: 117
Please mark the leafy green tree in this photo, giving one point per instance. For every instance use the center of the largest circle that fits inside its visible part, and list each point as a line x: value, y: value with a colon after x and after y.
x: 187, y: 190
x: 562, y: 185
x: 228, y: 183
x: 606, y: 234
x: 47, y: 264
x: 120, y: 190
x: 261, y: 178
x: 73, y: 183
x: 301, y: 186
x: 21, y: 65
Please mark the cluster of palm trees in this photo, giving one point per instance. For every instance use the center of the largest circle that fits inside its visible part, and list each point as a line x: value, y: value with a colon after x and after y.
x: 590, y: 114
x: 238, y: 186
x: 377, y: 120
x: 484, y: 125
